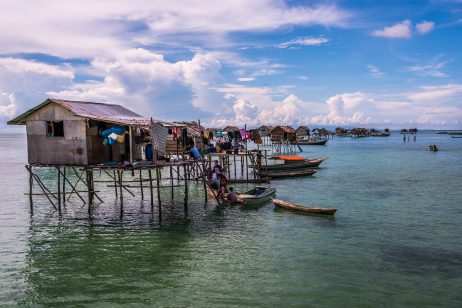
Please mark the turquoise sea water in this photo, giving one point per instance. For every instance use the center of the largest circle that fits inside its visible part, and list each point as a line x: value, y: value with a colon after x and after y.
x: 395, y: 240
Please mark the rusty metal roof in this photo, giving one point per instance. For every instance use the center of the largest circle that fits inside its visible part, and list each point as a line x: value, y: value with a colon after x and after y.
x: 95, y: 111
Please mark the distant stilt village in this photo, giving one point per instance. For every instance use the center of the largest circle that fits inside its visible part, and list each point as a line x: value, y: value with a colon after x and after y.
x: 86, y: 147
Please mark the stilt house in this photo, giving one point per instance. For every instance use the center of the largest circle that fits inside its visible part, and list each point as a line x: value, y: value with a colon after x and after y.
x: 282, y: 133
x: 63, y: 132
x: 302, y: 131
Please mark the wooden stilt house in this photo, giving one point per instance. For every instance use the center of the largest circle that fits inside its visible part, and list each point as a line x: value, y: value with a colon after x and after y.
x: 70, y: 133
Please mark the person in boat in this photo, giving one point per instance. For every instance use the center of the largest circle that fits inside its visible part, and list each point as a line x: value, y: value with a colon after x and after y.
x: 232, y: 196
x: 433, y: 148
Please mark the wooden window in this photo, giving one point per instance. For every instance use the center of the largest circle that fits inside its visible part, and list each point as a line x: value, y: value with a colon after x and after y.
x: 55, y: 128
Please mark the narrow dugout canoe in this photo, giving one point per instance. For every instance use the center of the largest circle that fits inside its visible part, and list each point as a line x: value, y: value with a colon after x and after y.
x: 305, y: 209
x: 311, y: 142
x: 277, y: 174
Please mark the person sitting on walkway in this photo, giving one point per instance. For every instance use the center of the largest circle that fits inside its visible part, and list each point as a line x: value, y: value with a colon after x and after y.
x: 194, y: 153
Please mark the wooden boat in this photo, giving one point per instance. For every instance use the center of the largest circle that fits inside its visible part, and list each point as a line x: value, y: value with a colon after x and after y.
x: 305, y: 209
x: 257, y: 195
x: 310, y: 142
x: 278, y: 174
x: 292, y: 163
x: 454, y: 136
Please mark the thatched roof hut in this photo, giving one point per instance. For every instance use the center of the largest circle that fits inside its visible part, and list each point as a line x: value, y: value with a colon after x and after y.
x: 302, y: 131
x: 229, y: 129
x: 281, y: 133
x: 264, y: 130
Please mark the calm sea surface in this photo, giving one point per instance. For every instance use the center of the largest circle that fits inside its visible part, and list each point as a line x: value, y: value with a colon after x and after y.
x: 395, y: 240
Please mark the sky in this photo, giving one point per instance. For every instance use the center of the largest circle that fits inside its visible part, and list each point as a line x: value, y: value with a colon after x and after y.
x: 395, y: 64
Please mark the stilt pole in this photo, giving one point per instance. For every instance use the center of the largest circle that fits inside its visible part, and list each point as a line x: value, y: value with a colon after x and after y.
x: 171, y: 178
x: 59, y: 189
x: 64, y: 186
x: 141, y: 185
x: 158, y: 193
x: 119, y: 175
x: 87, y: 173
x: 185, y: 187
x: 31, y: 183
x: 150, y: 188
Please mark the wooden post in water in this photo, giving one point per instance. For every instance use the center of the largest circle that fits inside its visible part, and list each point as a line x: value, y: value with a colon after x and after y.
x: 185, y: 188
x: 119, y: 175
x: 115, y: 184
x: 234, y: 165
x: 87, y: 174
x: 150, y: 188
x: 158, y: 193
x: 171, y: 178
x: 141, y: 185
x: 59, y: 189
x: 64, y: 186
x: 31, y: 183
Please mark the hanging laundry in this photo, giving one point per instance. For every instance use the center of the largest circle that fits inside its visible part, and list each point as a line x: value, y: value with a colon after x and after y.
x: 242, y: 133
x: 175, y: 133
x: 248, y: 135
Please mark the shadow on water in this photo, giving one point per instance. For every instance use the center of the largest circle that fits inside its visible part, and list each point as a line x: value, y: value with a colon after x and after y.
x: 424, y: 261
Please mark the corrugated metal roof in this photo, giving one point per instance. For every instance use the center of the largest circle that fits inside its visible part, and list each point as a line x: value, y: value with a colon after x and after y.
x: 96, y: 111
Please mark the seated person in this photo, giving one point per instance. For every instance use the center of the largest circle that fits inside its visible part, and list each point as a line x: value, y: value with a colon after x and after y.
x: 232, y: 196
x: 194, y: 153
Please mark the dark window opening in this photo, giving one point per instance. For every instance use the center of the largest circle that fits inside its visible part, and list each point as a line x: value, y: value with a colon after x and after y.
x: 55, y: 128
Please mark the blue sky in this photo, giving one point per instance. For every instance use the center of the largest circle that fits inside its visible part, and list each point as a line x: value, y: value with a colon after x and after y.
x: 349, y: 63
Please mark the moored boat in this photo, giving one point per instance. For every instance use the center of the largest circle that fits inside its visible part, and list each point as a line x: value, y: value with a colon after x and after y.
x: 305, y: 209
x: 257, y: 195
x: 292, y: 163
x: 311, y: 142
x: 278, y: 174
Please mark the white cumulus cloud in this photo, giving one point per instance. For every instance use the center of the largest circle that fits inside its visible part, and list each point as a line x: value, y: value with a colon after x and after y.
x: 424, y: 27
x: 398, y: 30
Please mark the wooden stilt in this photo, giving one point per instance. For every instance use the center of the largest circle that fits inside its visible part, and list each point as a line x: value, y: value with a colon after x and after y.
x: 87, y: 173
x: 204, y: 179
x: 31, y: 183
x: 64, y: 186
x: 234, y: 165
x: 59, y: 189
x: 171, y: 178
x: 92, y: 187
x: 46, y: 192
x: 150, y: 188
x: 141, y: 185
x: 185, y: 188
x: 158, y: 193
x: 119, y: 176
x: 115, y: 183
